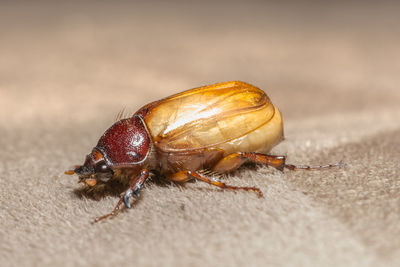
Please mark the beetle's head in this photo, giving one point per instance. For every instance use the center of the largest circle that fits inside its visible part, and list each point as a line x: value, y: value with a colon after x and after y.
x: 126, y: 144
x: 94, y: 169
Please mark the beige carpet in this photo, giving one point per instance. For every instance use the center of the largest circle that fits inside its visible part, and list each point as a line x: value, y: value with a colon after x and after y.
x: 333, y: 69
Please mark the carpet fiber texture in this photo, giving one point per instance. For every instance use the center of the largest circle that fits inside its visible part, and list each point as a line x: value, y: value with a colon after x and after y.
x: 333, y: 69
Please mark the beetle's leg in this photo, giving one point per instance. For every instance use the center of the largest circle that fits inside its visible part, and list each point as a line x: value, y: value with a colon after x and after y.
x: 235, y: 160
x: 340, y: 164
x: 184, y: 176
x: 135, y: 185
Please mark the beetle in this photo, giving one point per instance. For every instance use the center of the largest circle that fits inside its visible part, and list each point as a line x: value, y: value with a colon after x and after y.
x: 207, y: 130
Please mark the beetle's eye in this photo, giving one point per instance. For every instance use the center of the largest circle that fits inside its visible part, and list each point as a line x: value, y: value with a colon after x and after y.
x: 102, y: 167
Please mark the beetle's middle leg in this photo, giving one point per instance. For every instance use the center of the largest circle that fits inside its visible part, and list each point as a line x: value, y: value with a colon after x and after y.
x: 235, y: 160
x: 184, y: 176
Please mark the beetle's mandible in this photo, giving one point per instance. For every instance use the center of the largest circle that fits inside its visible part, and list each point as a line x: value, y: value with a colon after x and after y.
x: 207, y: 130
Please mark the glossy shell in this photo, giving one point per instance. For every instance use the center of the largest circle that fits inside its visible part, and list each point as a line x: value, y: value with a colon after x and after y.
x: 231, y: 116
x: 125, y: 143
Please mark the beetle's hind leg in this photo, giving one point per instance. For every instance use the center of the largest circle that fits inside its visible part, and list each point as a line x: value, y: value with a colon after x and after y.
x: 235, y: 160
x: 184, y: 176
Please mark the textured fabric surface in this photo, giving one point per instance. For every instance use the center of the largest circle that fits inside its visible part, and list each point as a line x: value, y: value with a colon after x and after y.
x: 333, y: 69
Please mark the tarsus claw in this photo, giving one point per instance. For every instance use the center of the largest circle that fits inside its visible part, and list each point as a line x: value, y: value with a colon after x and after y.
x: 127, y: 198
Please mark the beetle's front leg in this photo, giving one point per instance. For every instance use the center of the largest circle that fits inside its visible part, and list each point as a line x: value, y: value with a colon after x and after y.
x: 136, y: 183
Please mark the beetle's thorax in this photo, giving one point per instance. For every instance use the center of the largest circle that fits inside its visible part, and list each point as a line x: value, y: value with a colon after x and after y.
x: 126, y: 143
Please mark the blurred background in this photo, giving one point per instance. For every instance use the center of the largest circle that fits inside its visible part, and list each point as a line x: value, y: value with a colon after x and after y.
x: 332, y: 67
x: 86, y: 60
